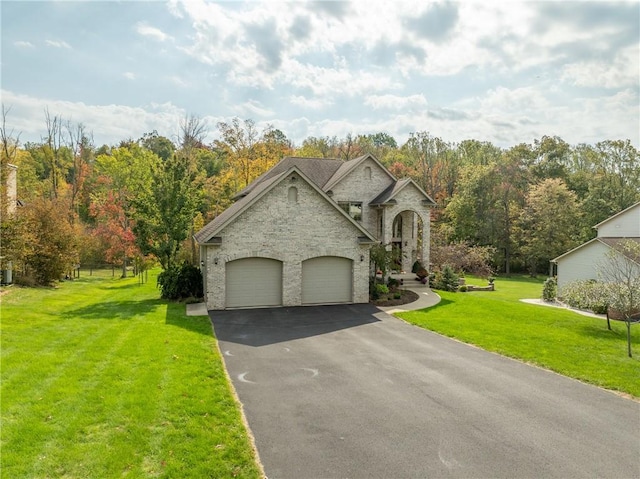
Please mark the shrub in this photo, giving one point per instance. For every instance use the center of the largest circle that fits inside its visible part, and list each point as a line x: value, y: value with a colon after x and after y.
x: 397, y: 295
x: 463, y: 288
x: 462, y: 256
x: 589, y: 295
x: 393, y: 284
x: 450, y: 280
x: 416, y: 266
x: 550, y: 289
x: 382, y: 289
x: 181, y: 282
x: 445, y: 280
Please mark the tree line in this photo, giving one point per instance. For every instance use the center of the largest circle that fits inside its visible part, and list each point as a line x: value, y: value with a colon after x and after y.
x: 141, y: 200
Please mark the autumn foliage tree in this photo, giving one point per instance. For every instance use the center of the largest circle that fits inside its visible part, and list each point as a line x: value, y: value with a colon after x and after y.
x: 114, y: 229
x: 54, y: 249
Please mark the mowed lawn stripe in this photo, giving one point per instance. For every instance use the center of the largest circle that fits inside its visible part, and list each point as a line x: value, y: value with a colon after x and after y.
x: 102, y: 379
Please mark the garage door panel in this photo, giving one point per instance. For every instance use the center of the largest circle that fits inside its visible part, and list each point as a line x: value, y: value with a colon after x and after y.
x: 327, y: 279
x: 253, y: 282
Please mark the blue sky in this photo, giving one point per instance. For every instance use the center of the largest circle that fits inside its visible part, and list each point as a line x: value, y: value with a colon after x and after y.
x: 505, y: 72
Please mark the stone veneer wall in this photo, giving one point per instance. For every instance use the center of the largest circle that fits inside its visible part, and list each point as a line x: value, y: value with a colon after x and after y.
x: 356, y: 187
x: 291, y: 232
x: 410, y: 199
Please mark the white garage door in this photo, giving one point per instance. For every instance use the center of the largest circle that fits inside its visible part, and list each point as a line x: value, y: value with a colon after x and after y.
x: 253, y: 282
x: 326, y: 280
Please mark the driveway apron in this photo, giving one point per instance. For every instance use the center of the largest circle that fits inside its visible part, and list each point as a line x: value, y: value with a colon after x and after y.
x: 350, y: 392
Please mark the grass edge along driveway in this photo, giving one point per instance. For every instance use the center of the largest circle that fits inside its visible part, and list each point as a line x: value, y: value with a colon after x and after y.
x: 100, y: 378
x: 560, y: 340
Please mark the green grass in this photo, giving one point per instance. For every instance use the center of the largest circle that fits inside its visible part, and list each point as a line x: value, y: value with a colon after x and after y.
x: 100, y: 378
x: 560, y: 340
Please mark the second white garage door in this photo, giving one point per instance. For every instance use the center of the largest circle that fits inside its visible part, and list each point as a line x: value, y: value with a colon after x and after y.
x: 327, y: 280
x: 253, y: 283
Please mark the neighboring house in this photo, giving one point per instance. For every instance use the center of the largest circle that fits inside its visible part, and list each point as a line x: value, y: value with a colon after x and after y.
x: 301, y: 233
x: 582, y: 263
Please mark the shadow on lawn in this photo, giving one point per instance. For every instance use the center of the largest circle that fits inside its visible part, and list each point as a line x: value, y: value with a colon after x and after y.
x: 115, y: 309
x: 600, y: 331
x: 177, y: 316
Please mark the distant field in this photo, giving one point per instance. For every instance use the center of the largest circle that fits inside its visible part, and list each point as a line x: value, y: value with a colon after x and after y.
x: 100, y: 378
x: 563, y: 341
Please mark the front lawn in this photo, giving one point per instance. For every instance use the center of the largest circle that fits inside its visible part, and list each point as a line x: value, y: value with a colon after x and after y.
x: 100, y: 378
x: 563, y: 341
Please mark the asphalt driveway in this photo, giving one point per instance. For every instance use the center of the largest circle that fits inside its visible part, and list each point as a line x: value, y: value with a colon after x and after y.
x: 351, y: 392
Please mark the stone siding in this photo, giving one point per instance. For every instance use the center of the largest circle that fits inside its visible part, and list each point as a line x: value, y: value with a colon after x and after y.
x: 410, y: 199
x: 357, y: 187
x: 290, y: 231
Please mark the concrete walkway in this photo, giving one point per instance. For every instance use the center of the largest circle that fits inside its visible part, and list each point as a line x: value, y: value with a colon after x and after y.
x: 426, y: 299
x: 540, y: 302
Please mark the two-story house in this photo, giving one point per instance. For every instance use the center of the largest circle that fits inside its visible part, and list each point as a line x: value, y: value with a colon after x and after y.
x: 300, y: 234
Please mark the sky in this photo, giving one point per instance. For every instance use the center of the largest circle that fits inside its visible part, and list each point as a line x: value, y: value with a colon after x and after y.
x: 507, y: 72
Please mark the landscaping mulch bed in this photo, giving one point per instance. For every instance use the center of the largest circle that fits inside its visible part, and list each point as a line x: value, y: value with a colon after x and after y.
x: 407, y: 297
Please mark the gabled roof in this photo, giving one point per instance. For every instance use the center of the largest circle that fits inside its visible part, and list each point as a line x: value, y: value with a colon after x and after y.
x: 555, y: 260
x: 392, y: 190
x: 348, y: 166
x: 266, y: 185
x: 614, y: 243
x: 318, y: 170
x: 616, y: 215
x: 224, y: 218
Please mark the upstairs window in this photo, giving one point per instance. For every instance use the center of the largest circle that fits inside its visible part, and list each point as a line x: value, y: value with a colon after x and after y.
x: 353, y: 209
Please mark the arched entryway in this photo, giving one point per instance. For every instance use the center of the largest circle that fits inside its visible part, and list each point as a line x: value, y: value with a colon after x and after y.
x: 407, y: 231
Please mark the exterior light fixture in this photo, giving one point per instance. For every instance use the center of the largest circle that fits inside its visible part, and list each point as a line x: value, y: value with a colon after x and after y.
x: 215, y: 260
x: 361, y: 257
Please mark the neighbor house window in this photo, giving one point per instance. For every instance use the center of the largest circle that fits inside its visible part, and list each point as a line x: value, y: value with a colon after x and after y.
x: 353, y: 209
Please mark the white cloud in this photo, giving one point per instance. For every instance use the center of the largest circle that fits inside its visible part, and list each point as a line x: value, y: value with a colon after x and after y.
x: 309, y: 103
x: 178, y: 81
x: 23, y: 44
x: 623, y: 71
x: 253, y: 108
x: 57, y: 44
x: 395, y: 102
x: 129, y: 75
x: 148, y: 31
x: 110, y: 123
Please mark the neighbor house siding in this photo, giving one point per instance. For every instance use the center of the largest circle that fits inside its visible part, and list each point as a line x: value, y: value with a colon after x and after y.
x: 289, y: 231
x: 581, y: 264
x: 624, y: 225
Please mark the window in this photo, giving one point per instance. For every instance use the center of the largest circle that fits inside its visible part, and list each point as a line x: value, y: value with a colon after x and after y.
x: 293, y: 194
x: 397, y: 227
x: 367, y: 173
x: 353, y: 209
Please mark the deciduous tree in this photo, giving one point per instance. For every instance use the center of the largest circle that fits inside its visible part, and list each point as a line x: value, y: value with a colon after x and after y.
x: 549, y: 224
